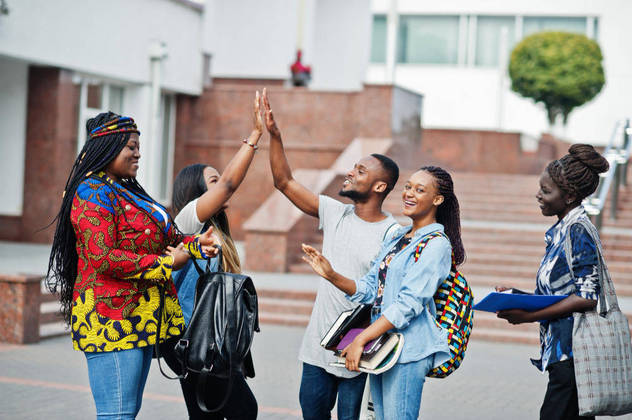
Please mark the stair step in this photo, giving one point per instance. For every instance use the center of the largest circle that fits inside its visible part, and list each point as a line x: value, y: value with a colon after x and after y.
x: 305, y: 295
x: 48, y: 297
x: 285, y: 306
x: 53, y: 329
x: 300, y: 268
x: 507, y: 270
x: 283, y: 319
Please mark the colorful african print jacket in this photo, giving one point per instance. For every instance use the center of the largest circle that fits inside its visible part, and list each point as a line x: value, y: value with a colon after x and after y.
x: 121, y: 238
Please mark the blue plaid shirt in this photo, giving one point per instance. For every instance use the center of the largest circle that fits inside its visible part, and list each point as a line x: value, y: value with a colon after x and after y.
x: 554, y: 278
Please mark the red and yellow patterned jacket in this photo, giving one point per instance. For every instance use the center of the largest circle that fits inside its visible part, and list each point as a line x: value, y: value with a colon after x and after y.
x: 121, y: 263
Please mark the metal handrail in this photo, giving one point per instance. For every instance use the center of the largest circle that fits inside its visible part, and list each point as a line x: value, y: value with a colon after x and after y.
x: 618, y: 157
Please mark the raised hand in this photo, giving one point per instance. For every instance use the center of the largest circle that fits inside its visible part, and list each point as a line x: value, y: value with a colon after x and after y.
x: 319, y: 263
x: 271, y: 125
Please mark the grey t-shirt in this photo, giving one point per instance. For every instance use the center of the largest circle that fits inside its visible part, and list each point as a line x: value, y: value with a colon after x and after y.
x: 350, y: 244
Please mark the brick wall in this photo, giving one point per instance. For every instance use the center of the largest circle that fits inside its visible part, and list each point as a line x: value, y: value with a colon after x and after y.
x: 486, y: 151
x: 51, y: 148
x: 316, y: 127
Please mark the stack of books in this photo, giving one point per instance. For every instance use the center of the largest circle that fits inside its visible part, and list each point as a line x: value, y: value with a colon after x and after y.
x: 378, y: 355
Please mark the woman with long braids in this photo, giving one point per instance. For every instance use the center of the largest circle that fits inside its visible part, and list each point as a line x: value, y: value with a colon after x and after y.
x: 563, y: 185
x: 401, y: 285
x: 200, y: 195
x: 114, y: 249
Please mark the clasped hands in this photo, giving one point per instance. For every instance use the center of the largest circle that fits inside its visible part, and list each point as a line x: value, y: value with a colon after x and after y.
x: 208, y: 241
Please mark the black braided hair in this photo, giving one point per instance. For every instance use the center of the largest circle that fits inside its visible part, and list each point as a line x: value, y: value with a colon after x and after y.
x: 448, y: 213
x: 577, y: 173
x: 189, y: 185
x: 95, y: 156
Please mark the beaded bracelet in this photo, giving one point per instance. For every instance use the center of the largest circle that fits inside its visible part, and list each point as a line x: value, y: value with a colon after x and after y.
x: 254, y: 146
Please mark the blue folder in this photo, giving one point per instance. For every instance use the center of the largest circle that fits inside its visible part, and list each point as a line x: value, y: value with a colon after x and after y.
x: 496, y: 301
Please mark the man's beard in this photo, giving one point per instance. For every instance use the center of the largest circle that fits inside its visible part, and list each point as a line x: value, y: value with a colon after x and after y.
x: 353, y: 195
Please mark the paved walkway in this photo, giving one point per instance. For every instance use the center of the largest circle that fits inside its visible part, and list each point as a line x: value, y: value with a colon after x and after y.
x: 49, y: 380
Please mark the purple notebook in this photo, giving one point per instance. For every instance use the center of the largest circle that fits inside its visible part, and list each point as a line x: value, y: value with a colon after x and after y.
x: 351, y: 335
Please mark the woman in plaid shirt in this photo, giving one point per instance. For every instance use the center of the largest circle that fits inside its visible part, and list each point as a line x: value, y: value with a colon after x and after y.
x: 563, y: 185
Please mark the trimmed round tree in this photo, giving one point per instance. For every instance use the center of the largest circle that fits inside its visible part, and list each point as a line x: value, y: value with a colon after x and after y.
x: 560, y: 69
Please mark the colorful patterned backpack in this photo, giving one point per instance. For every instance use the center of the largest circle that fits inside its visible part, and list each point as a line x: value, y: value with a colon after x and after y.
x: 453, y: 303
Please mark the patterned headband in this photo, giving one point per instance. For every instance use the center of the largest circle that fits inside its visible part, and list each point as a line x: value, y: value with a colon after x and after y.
x: 117, y: 125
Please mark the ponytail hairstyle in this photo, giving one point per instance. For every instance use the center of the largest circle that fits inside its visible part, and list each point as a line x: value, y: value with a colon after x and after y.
x: 108, y: 133
x: 189, y: 185
x: 577, y: 173
x: 448, y: 213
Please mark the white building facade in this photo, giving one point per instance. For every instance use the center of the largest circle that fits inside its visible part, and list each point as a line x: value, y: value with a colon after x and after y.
x: 134, y: 56
x: 124, y: 56
x: 456, y: 54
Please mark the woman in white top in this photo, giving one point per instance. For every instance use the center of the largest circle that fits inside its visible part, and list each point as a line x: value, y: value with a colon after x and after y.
x: 200, y: 194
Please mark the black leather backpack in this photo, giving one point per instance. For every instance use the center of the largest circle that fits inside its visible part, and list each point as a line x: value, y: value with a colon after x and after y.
x: 219, y: 335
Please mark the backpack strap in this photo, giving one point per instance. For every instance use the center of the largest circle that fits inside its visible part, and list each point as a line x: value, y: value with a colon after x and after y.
x: 422, y: 244
x: 388, y: 231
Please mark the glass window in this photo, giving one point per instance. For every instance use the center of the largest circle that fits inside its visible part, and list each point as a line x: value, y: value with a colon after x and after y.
x: 115, y: 103
x: 566, y: 24
x: 489, y: 33
x: 378, y: 39
x: 94, y: 96
x: 595, y: 29
x: 428, y: 39
x: 166, y: 148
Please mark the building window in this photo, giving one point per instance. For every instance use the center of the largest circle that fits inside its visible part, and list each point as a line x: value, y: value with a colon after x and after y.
x: 467, y: 39
x: 96, y: 97
x: 378, y: 39
x: 166, y: 136
x: 428, y: 39
x: 489, y: 33
x: 533, y: 24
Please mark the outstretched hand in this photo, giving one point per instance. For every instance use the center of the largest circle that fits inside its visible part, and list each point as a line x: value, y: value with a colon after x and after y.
x: 271, y: 125
x: 319, y: 263
x: 209, y: 243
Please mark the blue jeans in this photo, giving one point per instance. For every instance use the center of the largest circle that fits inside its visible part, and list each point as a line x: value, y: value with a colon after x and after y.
x: 117, y: 381
x: 319, y: 389
x: 397, y: 392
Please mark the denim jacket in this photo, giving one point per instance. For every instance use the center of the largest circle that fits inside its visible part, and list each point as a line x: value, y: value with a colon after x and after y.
x: 408, y: 293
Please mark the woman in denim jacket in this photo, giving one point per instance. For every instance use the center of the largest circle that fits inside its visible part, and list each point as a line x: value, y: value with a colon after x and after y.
x: 563, y: 185
x: 401, y: 285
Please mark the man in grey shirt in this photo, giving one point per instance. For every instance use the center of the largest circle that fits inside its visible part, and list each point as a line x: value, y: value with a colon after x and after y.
x: 352, y: 237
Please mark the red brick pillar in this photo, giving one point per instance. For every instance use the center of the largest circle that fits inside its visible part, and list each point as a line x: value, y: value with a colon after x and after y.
x: 51, y: 148
x: 20, y: 308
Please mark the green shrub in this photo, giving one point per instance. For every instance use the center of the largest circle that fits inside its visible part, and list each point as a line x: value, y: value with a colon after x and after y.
x: 562, y: 70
